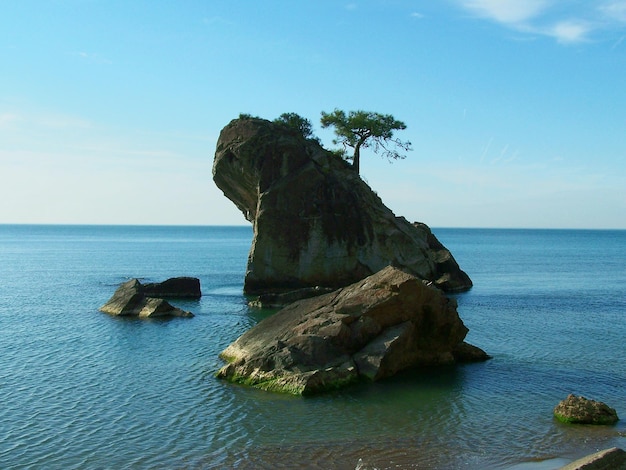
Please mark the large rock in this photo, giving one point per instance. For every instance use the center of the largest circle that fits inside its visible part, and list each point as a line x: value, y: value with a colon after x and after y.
x: 316, y: 222
x: 372, y: 329
x: 608, y: 459
x: 130, y: 299
x: 580, y: 410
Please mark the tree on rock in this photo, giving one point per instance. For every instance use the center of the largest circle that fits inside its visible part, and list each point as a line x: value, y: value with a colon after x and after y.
x: 363, y: 129
x: 298, y: 123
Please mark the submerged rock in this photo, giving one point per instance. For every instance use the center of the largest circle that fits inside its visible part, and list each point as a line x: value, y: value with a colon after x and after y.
x: 131, y: 299
x: 371, y: 329
x: 580, y: 410
x: 315, y: 221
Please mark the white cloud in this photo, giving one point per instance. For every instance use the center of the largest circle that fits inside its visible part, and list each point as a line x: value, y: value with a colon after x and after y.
x: 615, y: 11
x: 507, y: 11
x: 570, y: 31
x: 571, y: 24
x: 415, y: 14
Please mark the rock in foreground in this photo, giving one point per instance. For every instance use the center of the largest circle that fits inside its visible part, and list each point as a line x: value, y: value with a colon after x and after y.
x: 608, y: 459
x: 316, y: 222
x: 580, y: 410
x: 372, y: 329
x: 131, y: 299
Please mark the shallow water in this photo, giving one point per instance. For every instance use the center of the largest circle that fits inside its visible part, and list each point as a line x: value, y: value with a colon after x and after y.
x: 82, y: 389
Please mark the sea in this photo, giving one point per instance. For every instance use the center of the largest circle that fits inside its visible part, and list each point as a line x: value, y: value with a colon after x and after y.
x: 84, y: 390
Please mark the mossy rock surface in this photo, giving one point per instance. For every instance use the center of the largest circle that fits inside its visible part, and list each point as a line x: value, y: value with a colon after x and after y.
x: 580, y: 410
x: 306, y: 383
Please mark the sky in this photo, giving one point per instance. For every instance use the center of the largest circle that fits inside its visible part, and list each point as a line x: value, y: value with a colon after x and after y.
x: 110, y: 110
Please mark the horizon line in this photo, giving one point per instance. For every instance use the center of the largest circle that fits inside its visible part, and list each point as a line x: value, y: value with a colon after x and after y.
x: 146, y: 225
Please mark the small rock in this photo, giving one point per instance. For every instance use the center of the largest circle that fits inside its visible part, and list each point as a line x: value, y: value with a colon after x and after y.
x: 580, y: 410
x: 130, y: 299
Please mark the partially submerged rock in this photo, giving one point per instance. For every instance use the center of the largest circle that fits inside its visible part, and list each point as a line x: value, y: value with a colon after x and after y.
x: 175, y: 287
x: 315, y: 221
x: 371, y: 329
x: 580, y: 410
x: 131, y: 299
x: 608, y: 459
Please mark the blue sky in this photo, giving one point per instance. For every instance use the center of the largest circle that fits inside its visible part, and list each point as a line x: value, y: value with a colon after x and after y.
x: 110, y: 110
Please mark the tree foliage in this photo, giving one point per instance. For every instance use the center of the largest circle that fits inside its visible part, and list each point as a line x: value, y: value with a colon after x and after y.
x: 298, y: 123
x: 362, y: 129
x: 247, y: 116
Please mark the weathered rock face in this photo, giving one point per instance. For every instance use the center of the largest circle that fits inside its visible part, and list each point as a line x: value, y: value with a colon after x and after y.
x: 581, y: 410
x: 316, y: 222
x: 131, y: 299
x: 372, y: 329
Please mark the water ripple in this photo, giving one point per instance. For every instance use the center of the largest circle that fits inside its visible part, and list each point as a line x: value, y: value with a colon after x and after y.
x: 82, y: 389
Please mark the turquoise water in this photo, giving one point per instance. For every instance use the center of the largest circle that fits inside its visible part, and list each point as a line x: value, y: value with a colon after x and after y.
x: 81, y: 389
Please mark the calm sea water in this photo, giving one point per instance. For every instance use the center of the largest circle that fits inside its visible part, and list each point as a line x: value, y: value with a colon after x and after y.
x: 81, y: 389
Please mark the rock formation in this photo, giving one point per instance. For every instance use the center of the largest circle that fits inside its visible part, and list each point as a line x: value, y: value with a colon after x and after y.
x: 132, y: 299
x: 372, y: 329
x: 316, y: 222
x: 581, y: 410
x: 608, y: 459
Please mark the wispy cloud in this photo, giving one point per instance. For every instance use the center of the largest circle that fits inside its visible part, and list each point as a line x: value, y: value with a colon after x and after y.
x: 51, y: 121
x: 486, y: 149
x: 570, y: 31
x: 575, y: 23
x: 507, y: 11
x: 618, y: 42
x: 63, y: 122
x: 8, y: 119
x: 615, y: 10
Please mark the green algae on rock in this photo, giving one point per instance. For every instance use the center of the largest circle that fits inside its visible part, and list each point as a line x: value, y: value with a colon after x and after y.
x: 580, y: 410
